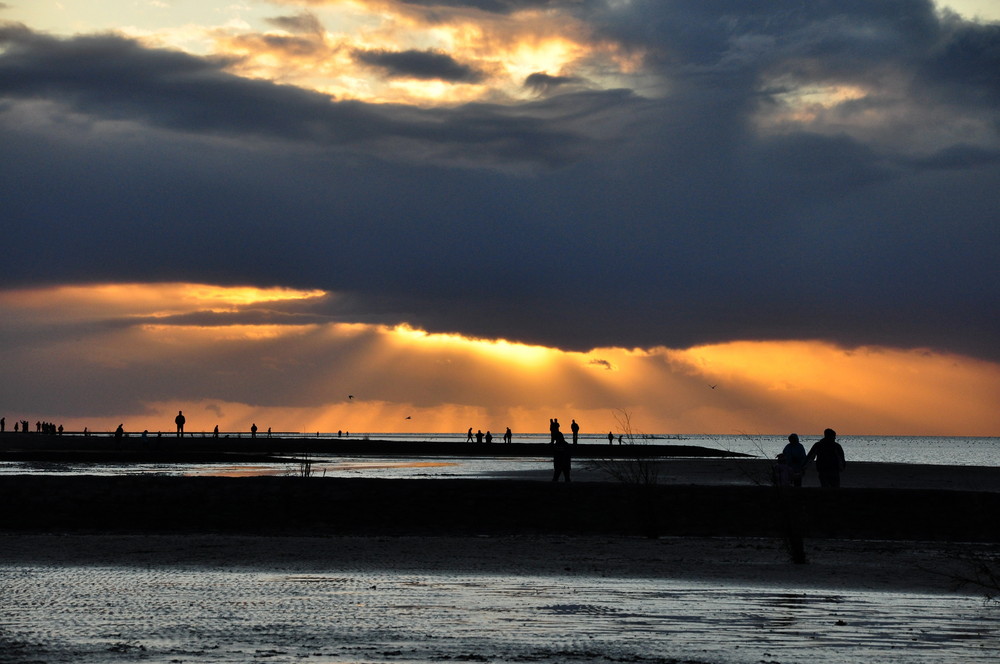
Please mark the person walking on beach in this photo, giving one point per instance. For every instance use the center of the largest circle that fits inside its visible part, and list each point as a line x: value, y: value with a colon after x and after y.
x: 575, y: 428
x: 468, y: 438
x: 829, y: 456
x: 179, y: 421
x: 794, y: 456
x: 215, y: 432
x: 560, y: 458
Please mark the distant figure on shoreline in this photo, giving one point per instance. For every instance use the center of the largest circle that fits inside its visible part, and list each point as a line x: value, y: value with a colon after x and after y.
x: 253, y: 430
x: 793, y: 457
x: 489, y: 436
x: 479, y: 435
x: 179, y: 421
x: 508, y: 436
x: 611, y: 438
x: 560, y: 458
x: 468, y: 438
x: 3, y: 423
x: 215, y: 432
x: 119, y: 432
x: 829, y: 456
x: 575, y: 428
x: 554, y: 430
x: 269, y: 432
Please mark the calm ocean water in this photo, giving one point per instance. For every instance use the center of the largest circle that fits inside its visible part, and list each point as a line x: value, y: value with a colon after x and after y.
x: 935, y: 450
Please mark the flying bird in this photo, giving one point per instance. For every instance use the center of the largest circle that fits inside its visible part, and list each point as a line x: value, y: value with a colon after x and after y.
x: 408, y: 417
x: 714, y: 386
x: 350, y: 396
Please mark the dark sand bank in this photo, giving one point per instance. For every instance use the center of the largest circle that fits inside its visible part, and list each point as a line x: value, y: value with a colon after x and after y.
x: 322, y: 506
x: 39, y: 447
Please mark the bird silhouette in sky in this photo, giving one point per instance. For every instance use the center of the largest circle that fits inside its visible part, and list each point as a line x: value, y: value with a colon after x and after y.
x: 350, y: 396
x: 714, y: 386
x: 408, y: 417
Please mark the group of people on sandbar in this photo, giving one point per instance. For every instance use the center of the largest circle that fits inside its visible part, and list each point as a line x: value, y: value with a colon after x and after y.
x: 793, y: 460
x: 487, y: 437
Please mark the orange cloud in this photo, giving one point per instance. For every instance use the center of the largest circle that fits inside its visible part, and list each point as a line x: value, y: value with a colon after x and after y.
x: 98, y: 355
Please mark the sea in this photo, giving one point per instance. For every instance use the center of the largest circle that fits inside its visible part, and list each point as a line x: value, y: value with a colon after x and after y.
x: 930, y: 450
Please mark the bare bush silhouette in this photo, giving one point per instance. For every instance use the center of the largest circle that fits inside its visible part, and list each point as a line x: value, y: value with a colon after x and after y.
x: 637, y: 469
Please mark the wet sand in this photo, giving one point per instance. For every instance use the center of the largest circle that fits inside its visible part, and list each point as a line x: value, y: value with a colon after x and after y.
x: 213, y: 569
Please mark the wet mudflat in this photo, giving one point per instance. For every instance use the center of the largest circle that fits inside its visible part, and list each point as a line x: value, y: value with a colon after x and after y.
x: 177, y: 598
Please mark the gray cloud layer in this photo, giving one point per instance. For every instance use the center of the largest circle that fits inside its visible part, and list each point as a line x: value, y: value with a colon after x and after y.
x: 585, y: 219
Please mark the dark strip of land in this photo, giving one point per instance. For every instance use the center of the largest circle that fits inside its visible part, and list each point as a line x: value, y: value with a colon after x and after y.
x: 324, y: 506
x: 191, y: 449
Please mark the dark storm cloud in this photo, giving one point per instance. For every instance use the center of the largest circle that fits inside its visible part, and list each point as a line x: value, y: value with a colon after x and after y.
x: 542, y: 82
x: 587, y: 219
x: 423, y: 65
x: 300, y: 23
x: 110, y: 77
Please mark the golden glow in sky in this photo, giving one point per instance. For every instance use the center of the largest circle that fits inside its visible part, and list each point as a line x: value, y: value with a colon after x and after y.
x: 98, y: 355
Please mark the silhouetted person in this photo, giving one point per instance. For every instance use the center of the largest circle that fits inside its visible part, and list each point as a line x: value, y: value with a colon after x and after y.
x: 215, y: 432
x: 253, y: 430
x: 560, y: 458
x: 575, y: 428
x: 119, y: 433
x: 611, y: 438
x: 489, y: 436
x: 269, y: 432
x: 554, y: 430
x: 179, y: 421
x: 3, y: 423
x: 508, y: 436
x: 794, y: 456
x: 468, y: 438
x: 15, y: 427
x: 829, y: 456
x: 479, y: 435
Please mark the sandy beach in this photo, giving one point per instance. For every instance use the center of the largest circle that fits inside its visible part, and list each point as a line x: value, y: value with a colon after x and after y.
x: 695, y: 569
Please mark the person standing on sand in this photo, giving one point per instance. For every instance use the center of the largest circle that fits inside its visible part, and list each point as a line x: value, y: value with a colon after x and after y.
x: 215, y: 432
x: 179, y: 421
x: 575, y: 428
x: 489, y: 436
x: 479, y: 435
x: 794, y: 456
x: 253, y: 430
x: 508, y: 436
x: 560, y: 458
x: 829, y: 456
x: 611, y: 438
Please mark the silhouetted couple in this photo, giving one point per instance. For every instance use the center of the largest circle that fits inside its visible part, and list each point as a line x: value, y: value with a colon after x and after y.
x: 826, y: 452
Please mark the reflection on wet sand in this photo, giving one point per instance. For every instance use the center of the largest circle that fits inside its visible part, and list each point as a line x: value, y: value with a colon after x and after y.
x: 316, y: 468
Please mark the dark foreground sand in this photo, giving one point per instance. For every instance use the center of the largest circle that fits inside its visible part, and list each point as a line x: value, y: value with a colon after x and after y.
x: 891, y: 527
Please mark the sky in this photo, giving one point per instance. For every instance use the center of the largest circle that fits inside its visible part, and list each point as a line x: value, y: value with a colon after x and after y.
x: 715, y: 216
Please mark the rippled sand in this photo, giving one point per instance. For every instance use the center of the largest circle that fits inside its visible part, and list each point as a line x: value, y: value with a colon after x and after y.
x: 208, y: 598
